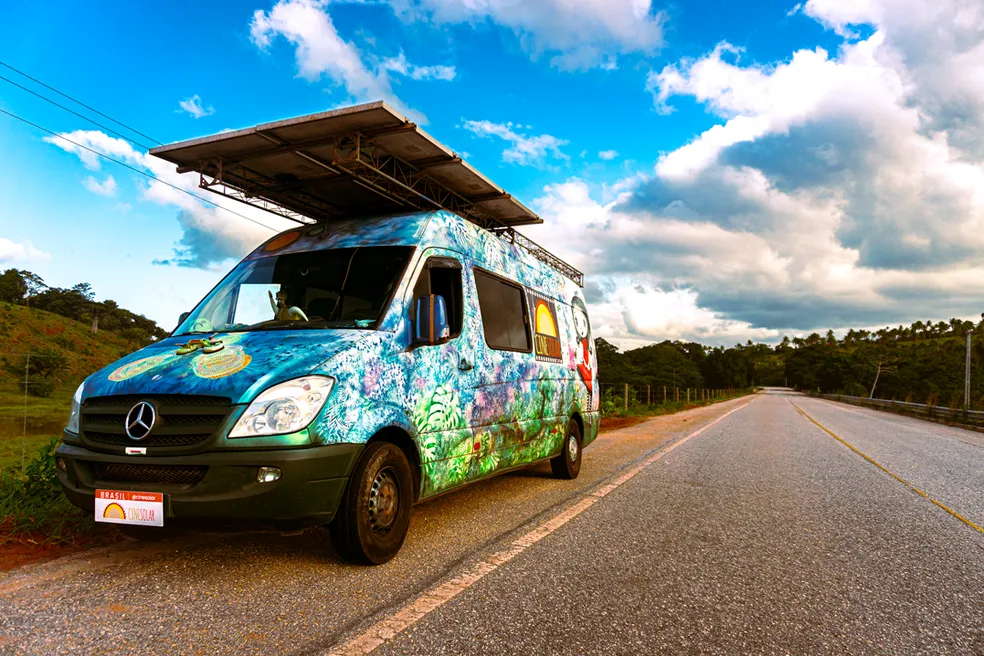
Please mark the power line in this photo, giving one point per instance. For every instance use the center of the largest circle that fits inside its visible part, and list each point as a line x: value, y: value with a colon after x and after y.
x: 134, y: 169
x: 72, y: 111
x: 91, y: 109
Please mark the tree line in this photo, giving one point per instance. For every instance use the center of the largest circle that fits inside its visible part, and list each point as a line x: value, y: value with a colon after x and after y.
x: 922, y: 363
x: 22, y: 287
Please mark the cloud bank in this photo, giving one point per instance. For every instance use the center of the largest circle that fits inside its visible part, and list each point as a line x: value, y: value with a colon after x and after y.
x: 210, y: 236
x: 577, y: 34
x: 839, y: 189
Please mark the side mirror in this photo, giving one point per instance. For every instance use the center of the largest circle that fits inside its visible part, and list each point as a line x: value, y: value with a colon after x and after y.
x: 182, y: 317
x: 430, y: 325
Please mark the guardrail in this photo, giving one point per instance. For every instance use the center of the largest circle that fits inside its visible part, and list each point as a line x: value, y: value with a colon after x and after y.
x: 974, y: 418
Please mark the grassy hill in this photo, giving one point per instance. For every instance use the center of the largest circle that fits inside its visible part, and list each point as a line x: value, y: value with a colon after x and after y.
x: 50, y: 338
x: 28, y: 330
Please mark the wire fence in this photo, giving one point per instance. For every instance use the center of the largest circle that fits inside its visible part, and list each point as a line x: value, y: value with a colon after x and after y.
x: 622, y: 398
x: 35, y: 400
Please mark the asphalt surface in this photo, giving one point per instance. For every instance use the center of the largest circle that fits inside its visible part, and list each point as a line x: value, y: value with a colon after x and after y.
x: 761, y: 534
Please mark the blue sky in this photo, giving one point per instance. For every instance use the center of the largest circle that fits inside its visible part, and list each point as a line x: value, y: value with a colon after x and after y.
x: 720, y: 170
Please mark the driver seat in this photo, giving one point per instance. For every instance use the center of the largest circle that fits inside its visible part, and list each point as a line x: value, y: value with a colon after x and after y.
x: 321, y: 308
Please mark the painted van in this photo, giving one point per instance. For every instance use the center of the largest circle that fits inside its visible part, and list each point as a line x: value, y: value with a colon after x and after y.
x: 339, y: 374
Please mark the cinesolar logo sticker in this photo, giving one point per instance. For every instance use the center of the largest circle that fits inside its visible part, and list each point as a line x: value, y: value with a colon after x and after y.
x: 546, y: 332
x: 135, y: 508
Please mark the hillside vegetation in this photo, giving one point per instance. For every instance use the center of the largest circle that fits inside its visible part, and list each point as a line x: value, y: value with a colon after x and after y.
x: 922, y: 363
x: 62, y: 350
x: 55, y: 336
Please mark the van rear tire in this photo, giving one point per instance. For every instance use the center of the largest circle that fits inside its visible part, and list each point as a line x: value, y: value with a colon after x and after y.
x: 374, y: 515
x: 567, y: 464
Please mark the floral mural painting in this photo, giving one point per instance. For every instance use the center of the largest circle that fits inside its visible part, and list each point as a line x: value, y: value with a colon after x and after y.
x: 504, y: 410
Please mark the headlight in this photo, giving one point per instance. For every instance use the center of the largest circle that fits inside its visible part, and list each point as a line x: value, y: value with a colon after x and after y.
x: 73, y: 415
x: 284, y: 408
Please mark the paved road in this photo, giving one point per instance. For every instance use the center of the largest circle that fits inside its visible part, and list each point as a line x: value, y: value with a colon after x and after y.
x: 740, y: 528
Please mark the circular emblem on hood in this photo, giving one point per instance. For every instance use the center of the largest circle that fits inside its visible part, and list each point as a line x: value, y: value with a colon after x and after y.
x: 140, y: 420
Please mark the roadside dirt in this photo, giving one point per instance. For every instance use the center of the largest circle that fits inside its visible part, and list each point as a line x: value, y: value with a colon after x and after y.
x: 27, y: 548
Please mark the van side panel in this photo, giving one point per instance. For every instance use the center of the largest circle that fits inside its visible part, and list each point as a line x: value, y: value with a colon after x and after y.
x: 512, y: 408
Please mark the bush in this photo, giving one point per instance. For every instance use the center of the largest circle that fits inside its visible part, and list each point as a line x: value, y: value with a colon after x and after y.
x: 41, y: 474
x: 41, y: 387
x: 33, y: 509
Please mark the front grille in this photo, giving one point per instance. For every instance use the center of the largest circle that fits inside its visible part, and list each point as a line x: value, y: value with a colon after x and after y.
x: 129, y: 400
x: 111, y: 472
x: 154, y: 440
x: 182, y: 420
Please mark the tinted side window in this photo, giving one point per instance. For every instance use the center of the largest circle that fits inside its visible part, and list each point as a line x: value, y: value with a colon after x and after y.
x: 504, y: 315
x: 442, y: 276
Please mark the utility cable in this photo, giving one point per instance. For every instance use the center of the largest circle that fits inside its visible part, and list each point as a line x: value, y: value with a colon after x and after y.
x: 91, y: 109
x: 72, y: 111
x: 134, y: 169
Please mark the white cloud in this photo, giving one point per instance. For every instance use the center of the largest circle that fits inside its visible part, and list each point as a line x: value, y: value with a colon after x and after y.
x: 194, y: 107
x: 608, y: 155
x: 525, y: 150
x: 105, y: 188
x: 321, y: 52
x: 400, y: 65
x: 12, y: 251
x: 579, y: 34
x: 210, y: 236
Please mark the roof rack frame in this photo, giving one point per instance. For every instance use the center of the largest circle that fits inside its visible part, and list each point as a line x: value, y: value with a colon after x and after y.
x: 356, y: 158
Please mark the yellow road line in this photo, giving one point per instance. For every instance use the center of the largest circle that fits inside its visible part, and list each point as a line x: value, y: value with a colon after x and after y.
x: 879, y: 466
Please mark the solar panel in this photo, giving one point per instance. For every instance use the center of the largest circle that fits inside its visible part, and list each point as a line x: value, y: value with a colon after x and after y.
x: 361, y: 160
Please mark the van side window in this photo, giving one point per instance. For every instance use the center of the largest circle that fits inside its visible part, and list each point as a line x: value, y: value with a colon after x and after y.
x: 442, y: 276
x: 504, y: 314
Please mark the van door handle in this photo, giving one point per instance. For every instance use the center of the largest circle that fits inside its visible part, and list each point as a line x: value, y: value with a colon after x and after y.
x: 465, y: 365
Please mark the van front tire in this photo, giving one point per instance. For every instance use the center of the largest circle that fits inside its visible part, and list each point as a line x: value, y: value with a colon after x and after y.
x: 374, y: 515
x: 567, y: 464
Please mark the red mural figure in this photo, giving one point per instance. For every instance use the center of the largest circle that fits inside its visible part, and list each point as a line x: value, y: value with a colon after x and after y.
x: 583, y: 355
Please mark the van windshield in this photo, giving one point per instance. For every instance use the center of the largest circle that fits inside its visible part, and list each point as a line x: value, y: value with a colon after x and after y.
x: 339, y: 288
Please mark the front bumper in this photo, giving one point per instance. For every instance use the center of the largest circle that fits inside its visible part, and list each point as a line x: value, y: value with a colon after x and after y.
x: 307, y: 494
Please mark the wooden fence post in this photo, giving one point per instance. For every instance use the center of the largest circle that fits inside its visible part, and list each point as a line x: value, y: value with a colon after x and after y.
x: 664, y: 394
x: 626, y: 397
x: 649, y: 396
x: 688, y: 395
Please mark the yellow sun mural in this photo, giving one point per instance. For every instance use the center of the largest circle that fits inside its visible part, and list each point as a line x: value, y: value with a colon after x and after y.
x: 546, y: 336
x: 544, y: 320
x: 114, y: 511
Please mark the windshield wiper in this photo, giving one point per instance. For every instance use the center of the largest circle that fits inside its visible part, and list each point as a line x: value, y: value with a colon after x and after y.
x: 285, y: 325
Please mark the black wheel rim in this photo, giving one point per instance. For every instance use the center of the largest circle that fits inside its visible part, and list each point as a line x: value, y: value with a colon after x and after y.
x: 384, y: 501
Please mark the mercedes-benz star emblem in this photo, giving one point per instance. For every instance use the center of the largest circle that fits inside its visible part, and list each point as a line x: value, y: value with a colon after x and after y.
x: 140, y: 420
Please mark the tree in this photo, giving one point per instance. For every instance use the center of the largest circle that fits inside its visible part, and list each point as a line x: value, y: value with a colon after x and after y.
x: 12, y: 286
x: 884, y: 364
x: 35, y: 285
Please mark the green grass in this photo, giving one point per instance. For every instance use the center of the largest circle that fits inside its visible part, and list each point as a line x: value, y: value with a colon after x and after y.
x: 53, y: 408
x: 613, y: 407
x: 16, y: 452
x: 33, y: 509
x: 46, y: 418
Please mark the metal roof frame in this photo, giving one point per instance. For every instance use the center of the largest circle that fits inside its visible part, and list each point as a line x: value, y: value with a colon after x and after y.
x: 360, y: 160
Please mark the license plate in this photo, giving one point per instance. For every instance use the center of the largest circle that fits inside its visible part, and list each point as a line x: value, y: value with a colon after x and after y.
x: 137, y: 508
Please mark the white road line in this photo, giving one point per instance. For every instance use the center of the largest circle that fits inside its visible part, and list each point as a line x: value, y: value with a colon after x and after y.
x: 427, y: 602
